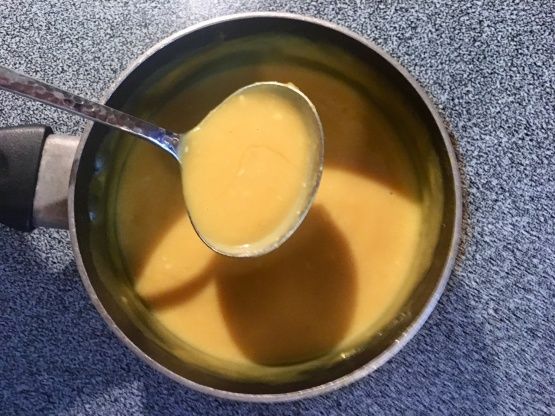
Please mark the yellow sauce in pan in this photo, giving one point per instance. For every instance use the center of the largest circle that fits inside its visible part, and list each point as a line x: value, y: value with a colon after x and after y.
x: 342, y: 275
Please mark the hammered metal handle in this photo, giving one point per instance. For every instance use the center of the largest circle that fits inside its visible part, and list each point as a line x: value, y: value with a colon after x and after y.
x: 37, y: 90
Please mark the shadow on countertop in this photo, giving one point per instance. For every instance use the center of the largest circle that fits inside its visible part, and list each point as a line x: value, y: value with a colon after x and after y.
x: 56, y: 350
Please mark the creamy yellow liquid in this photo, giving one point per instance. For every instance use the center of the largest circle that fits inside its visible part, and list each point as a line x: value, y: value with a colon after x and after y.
x: 247, y: 170
x: 339, y: 278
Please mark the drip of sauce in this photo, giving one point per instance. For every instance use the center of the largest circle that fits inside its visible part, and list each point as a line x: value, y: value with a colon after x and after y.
x: 245, y: 170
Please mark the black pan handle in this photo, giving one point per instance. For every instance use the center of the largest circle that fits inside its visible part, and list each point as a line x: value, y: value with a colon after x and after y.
x: 20, y: 156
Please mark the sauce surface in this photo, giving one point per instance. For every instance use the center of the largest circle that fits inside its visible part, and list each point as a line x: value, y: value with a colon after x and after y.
x: 340, y: 278
x: 247, y: 170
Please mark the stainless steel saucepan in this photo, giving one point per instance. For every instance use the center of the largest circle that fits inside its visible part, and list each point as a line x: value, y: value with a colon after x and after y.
x: 53, y: 180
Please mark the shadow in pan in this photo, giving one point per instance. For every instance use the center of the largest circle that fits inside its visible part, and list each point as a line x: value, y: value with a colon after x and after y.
x: 291, y: 305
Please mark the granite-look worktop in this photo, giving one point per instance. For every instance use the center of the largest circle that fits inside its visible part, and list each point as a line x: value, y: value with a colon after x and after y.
x: 488, y: 348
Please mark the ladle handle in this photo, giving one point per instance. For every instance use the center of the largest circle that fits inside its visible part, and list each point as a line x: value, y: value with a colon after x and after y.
x: 37, y: 90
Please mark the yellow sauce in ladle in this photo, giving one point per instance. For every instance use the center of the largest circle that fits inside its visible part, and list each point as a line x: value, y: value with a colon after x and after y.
x: 251, y: 168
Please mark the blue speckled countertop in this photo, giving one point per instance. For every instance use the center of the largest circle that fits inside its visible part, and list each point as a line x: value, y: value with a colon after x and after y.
x: 488, y: 348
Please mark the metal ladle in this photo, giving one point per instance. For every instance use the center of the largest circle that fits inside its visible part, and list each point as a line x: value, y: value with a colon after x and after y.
x: 169, y: 141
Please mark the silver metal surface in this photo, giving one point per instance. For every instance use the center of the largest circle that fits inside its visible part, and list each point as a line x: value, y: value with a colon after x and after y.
x: 50, y: 201
x: 45, y: 93
x: 439, y: 281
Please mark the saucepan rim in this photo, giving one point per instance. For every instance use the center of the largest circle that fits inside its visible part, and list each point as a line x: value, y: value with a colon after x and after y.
x: 412, y: 329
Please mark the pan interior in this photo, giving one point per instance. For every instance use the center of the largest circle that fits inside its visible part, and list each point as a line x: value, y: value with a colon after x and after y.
x: 196, y: 72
